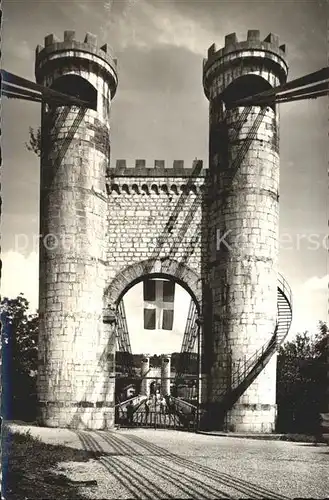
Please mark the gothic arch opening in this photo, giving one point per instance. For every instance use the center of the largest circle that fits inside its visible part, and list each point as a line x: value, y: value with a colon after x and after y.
x: 76, y: 86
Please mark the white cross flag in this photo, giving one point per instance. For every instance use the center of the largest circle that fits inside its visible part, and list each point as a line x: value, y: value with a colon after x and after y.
x: 159, y: 298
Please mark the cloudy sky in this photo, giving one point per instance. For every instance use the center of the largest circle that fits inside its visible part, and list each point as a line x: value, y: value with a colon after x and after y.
x: 160, y: 112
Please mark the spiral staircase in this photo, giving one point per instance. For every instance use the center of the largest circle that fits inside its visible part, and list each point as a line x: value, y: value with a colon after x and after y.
x: 246, y: 374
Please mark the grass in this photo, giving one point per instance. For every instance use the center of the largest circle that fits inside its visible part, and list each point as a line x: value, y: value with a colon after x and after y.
x: 27, y: 465
x: 303, y: 438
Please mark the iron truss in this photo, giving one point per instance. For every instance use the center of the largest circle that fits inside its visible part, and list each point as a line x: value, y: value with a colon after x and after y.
x: 310, y: 86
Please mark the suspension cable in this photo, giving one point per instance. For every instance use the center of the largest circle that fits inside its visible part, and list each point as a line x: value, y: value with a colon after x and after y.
x: 318, y: 77
x: 17, y: 84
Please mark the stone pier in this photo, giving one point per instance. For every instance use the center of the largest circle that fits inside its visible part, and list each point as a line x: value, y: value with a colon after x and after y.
x: 165, y: 374
x: 145, y: 369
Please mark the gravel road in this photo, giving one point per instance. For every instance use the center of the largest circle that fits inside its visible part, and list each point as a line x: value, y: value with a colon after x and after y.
x: 159, y: 464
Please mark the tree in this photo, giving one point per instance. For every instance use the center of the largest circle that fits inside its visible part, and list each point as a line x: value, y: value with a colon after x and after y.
x: 321, y: 344
x: 34, y: 143
x: 301, y: 382
x: 19, y: 358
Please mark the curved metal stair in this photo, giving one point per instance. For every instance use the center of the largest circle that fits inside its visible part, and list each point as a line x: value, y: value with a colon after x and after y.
x: 243, y: 378
x: 284, y: 304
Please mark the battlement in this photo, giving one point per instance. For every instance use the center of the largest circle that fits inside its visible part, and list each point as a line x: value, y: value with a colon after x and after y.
x: 270, y: 44
x: 89, y: 44
x: 158, y: 169
x: 267, y: 53
x: 69, y: 43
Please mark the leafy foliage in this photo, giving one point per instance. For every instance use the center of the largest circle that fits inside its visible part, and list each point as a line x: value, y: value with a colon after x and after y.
x: 20, y: 358
x: 321, y: 344
x: 34, y: 143
x: 301, y: 382
x: 301, y: 376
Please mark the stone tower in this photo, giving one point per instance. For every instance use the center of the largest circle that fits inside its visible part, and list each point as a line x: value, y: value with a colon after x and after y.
x: 74, y: 384
x: 243, y: 224
x: 104, y: 228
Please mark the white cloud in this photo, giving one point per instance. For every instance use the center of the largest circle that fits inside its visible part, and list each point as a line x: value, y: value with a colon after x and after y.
x: 21, y: 50
x: 316, y: 283
x: 20, y: 275
x: 310, y: 305
x: 301, y: 324
x: 145, y: 25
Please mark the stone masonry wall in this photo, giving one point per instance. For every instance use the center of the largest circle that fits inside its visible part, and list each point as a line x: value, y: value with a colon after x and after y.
x: 103, y: 228
x: 154, y: 218
x: 247, y: 308
x: 244, y: 217
x: 75, y: 388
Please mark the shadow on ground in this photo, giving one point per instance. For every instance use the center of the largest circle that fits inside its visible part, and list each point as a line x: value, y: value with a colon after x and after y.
x: 143, y: 468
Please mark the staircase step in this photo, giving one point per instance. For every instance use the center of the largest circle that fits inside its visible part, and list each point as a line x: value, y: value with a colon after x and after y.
x: 257, y: 363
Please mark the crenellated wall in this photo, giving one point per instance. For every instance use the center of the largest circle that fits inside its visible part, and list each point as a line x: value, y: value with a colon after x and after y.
x: 109, y: 226
x: 154, y: 214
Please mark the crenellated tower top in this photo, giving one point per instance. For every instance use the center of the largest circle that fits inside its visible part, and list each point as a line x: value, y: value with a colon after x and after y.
x: 74, y: 53
x: 253, y: 56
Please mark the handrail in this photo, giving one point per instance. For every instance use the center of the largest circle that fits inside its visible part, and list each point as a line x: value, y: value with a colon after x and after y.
x: 127, y: 401
x: 251, y: 362
x: 186, y: 412
x: 241, y: 375
x: 181, y: 401
x: 285, y: 289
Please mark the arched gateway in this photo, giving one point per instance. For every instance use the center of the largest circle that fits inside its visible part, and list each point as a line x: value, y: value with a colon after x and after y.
x: 212, y: 230
x: 156, y: 268
x: 157, y: 385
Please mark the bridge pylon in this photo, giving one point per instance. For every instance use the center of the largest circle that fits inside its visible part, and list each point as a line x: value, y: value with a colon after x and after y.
x: 244, y: 165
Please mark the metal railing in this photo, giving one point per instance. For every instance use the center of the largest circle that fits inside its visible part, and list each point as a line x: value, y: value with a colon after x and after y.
x: 285, y: 288
x: 262, y: 355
